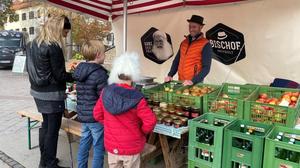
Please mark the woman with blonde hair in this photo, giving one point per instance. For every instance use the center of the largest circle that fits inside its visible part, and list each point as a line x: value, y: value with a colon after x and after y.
x: 48, y: 77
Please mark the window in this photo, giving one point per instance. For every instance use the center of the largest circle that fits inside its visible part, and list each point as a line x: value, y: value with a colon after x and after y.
x: 23, y: 16
x: 39, y: 14
x: 31, y: 15
x: 24, y: 29
x: 17, y: 17
x: 17, y: 29
x: 31, y: 30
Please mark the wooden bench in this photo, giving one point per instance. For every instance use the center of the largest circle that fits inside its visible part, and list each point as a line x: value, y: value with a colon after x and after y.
x: 72, y: 127
x: 33, y: 118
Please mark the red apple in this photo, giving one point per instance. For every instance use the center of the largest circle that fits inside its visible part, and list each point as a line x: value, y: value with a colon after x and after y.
x: 294, y: 98
x: 263, y: 96
x: 296, y: 94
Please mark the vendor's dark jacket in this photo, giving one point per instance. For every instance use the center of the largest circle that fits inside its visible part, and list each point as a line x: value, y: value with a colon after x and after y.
x: 90, y: 79
x: 46, y: 67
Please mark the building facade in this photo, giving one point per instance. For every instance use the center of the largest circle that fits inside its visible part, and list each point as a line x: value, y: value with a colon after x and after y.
x: 29, y: 17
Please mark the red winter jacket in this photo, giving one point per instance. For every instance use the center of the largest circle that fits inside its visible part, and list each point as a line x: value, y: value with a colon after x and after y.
x: 126, y: 117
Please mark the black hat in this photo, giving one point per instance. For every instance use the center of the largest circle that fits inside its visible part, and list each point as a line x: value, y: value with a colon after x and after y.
x: 67, y: 24
x: 196, y: 19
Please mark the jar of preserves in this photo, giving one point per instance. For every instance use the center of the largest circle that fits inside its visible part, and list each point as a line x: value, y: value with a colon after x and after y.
x: 168, y: 121
x: 179, y: 113
x: 174, y: 117
x: 184, y: 121
x: 195, y: 112
x: 177, y: 123
x: 163, y: 105
x: 160, y: 119
x: 172, y: 112
x: 186, y: 111
x: 178, y: 107
x: 156, y: 103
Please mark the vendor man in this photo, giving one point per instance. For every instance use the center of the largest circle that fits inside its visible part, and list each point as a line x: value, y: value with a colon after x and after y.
x: 193, y: 59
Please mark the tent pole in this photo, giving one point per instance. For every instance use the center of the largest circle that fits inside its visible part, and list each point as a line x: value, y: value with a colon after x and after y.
x: 125, y: 26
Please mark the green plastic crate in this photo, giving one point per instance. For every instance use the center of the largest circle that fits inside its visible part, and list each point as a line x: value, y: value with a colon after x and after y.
x: 196, y: 148
x: 234, y: 140
x: 159, y: 93
x: 194, y: 101
x: 271, y: 114
x: 276, y: 150
x: 233, y: 105
x: 192, y: 164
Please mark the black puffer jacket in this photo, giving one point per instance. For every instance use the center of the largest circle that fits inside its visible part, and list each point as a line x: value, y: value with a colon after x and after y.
x: 46, y: 67
x: 90, y: 80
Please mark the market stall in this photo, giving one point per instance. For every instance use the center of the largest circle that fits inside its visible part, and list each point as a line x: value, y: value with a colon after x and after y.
x: 247, y: 119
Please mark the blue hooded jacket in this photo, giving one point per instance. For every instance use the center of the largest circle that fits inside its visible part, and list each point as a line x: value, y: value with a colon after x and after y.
x: 118, y: 100
x: 90, y: 79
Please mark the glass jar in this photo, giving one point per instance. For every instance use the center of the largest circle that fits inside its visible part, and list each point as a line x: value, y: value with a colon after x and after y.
x: 164, y: 110
x: 184, y: 121
x: 177, y: 123
x: 186, y: 111
x: 160, y: 119
x: 171, y: 106
x: 172, y: 112
x: 168, y: 121
x: 174, y: 117
x: 150, y: 102
x: 156, y: 103
x: 179, y: 113
x: 163, y: 105
x: 178, y: 107
x: 164, y: 115
x: 195, y: 112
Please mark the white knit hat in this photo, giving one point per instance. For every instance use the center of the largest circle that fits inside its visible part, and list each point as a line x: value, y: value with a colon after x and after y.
x: 127, y: 64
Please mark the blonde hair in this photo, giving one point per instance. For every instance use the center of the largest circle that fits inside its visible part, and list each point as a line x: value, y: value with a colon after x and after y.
x: 90, y: 49
x: 52, y: 31
x: 125, y: 67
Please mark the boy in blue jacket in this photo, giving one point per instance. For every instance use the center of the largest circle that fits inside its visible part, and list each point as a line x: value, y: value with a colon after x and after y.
x: 90, y: 79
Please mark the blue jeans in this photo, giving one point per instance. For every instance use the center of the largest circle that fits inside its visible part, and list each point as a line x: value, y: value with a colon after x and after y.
x: 92, y: 133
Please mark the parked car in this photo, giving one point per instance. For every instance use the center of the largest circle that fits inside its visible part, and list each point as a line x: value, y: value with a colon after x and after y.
x: 12, y: 43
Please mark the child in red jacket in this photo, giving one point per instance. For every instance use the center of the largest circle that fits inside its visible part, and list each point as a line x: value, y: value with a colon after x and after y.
x: 125, y: 114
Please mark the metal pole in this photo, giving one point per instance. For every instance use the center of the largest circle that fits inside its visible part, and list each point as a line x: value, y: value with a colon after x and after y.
x: 125, y: 26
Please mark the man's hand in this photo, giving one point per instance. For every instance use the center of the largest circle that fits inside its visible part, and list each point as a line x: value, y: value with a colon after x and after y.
x: 168, y: 79
x: 187, y: 83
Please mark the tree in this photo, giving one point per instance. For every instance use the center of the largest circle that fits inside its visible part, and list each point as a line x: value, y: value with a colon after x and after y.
x: 83, y: 28
x: 5, y: 12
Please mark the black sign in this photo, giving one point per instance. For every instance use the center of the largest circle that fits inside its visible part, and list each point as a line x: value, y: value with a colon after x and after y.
x: 157, y: 45
x: 227, y: 43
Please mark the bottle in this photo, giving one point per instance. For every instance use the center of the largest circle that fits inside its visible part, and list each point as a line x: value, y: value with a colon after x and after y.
x: 280, y: 153
x: 200, y: 134
x: 211, y: 157
x: 209, y: 137
x: 250, y: 131
x: 278, y: 138
x: 242, y: 128
x: 294, y: 156
x: 205, y: 155
x: 249, y: 145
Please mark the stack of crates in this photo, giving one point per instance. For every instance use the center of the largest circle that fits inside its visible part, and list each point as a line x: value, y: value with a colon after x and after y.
x: 269, y: 112
x: 229, y: 100
x: 162, y: 92
x: 194, y: 99
x: 244, y: 144
x: 206, y: 140
x: 282, y: 149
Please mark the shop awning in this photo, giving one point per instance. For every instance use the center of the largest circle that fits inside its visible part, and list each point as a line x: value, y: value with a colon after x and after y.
x: 103, y: 9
